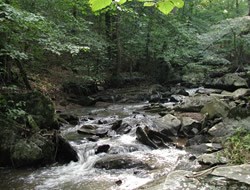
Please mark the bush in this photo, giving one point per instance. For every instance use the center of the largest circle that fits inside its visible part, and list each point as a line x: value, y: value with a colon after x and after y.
x: 237, y: 147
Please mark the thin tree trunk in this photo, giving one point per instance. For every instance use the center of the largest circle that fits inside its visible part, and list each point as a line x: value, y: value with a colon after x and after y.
x: 118, y: 45
x: 237, y: 6
x: 248, y: 7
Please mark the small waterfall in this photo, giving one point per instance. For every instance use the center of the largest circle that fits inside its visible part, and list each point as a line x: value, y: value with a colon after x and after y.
x: 83, y: 175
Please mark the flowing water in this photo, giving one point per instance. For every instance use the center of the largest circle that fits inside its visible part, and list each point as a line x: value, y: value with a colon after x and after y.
x: 82, y: 175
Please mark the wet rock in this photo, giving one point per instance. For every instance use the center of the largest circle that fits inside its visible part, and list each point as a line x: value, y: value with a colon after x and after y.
x: 229, y: 82
x: 169, y: 125
x: 143, y: 138
x: 65, y: 152
x: 189, y: 127
x: 121, y: 128
x: 71, y: 119
x: 93, y: 138
x: 124, y: 129
x: 120, y: 162
x: 197, y: 139
x: 93, y: 130
x: 212, y: 159
x: 182, y: 92
x: 116, y: 125
x: 215, y: 108
x: 159, y: 136
x: 102, y: 148
x: 122, y: 149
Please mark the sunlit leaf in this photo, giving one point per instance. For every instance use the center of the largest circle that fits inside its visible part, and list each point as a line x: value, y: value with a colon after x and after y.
x: 165, y: 6
x: 149, y: 4
x: 120, y: 2
x: 99, y: 4
x: 178, y: 3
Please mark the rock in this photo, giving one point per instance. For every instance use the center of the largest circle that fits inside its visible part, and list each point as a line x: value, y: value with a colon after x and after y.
x: 237, y: 93
x: 124, y: 129
x: 116, y: 125
x: 79, y: 88
x: 205, y: 148
x: 228, y: 82
x: 193, y: 103
x: 238, y: 173
x: 240, y: 111
x: 215, y: 108
x: 93, y: 130
x: 102, y: 148
x: 182, y: 92
x: 143, y: 138
x: 196, y: 140
x: 120, y: 162
x: 71, y: 119
x: 189, y: 127
x: 32, y: 152
x: 65, y: 152
x: 82, y: 100
x: 169, y: 125
x: 158, y: 136
x: 174, y: 180
x: 212, y: 159
x: 228, y: 127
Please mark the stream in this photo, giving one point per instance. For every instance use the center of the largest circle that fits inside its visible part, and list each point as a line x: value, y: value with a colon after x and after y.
x: 83, y: 174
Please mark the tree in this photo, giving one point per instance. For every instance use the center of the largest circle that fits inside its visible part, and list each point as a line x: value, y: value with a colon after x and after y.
x: 248, y: 7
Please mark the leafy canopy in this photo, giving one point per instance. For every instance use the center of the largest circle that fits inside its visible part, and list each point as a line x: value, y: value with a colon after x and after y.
x: 165, y: 6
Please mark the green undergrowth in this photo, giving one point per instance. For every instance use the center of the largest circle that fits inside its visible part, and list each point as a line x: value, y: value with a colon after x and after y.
x: 237, y: 147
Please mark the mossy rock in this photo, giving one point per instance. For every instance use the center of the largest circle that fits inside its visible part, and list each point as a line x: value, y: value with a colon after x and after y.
x: 42, y: 109
x: 215, y: 108
x: 37, y: 105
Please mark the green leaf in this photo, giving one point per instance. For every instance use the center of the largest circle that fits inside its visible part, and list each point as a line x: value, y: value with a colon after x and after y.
x: 165, y: 6
x: 148, y: 4
x: 178, y: 3
x: 122, y: 1
x: 99, y: 4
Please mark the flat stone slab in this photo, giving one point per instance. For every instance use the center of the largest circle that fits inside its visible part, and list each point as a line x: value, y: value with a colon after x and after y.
x: 239, y: 173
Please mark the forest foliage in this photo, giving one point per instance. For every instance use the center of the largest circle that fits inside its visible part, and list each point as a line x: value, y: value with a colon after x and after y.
x: 103, y: 38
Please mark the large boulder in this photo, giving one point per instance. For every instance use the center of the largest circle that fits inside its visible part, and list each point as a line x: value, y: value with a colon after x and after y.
x: 27, y: 135
x: 229, y: 82
x: 169, y: 124
x: 238, y: 173
x: 121, y: 162
x: 190, y: 127
x: 228, y: 127
x: 39, y: 106
x: 193, y: 103
x: 143, y: 137
x: 216, y: 108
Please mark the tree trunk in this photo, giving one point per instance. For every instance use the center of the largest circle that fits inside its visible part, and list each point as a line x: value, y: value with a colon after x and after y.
x: 118, y: 46
x: 248, y: 7
x: 237, y: 6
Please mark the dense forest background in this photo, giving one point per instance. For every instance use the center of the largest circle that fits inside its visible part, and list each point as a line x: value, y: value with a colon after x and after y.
x: 66, y: 41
